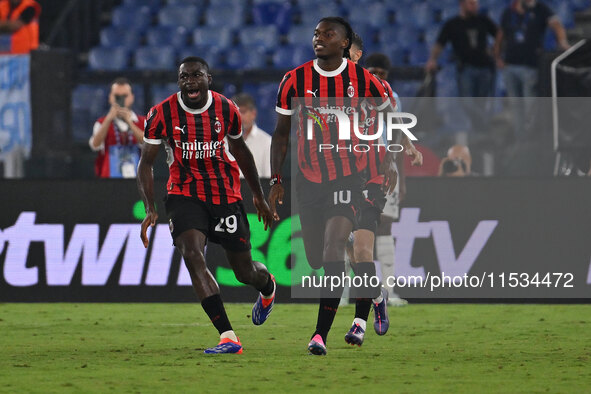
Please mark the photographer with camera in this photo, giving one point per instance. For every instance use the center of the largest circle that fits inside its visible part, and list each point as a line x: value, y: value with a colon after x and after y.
x: 116, y: 136
x: 458, y: 162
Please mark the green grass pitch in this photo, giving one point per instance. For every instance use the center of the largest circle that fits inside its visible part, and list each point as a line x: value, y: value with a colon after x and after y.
x: 159, y: 348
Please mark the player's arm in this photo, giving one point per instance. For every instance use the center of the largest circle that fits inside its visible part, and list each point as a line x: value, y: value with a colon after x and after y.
x: 245, y: 161
x: 145, y: 184
x: 559, y: 31
x: 279, y: 146
x: 11, y: 26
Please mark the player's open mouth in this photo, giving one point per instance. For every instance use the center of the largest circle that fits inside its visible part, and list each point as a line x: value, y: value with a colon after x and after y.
x: 193, y: 94
x: 318, y: 46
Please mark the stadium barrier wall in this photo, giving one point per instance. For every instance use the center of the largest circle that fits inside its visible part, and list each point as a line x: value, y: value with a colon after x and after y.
x: 78, y: 241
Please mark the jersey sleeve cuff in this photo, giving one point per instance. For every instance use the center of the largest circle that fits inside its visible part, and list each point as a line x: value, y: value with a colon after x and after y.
x: 235, y: 137
x: 284, y: 111
x: 152, y: 141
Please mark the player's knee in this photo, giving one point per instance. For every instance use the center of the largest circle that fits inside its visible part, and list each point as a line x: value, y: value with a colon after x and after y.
x: 363, y: 253
x: 244, y: 276
x: 334, y: 249
x: 193, y: 257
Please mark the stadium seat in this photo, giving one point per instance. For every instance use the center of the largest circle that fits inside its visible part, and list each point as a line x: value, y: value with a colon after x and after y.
x: 310, y: 15
x: 167, y: 35
x: 160, y: 92
x: 132, y: 17
x: 419, y: 54
x: 267, y: 36
x: 246, y: 57
x: 177, y: 15
x: 301, y: 34
x: 406, y: 35
x: 89, y: 102
x: 423, y: 14
x: 291, y: 56
x: 154, y: 5
x: 108, y: 59
x: 210, y: 54
x: 228, y: 17
x: 111, y: 36
x: 271, y: 13
x: 221, y: 38
x: 155, y: 58
x: 197, y: 3
x: 265, y: 95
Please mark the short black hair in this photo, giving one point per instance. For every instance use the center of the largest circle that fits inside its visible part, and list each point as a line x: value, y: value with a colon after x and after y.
x: 348, y: 31
x: 357, y: 41
x: 378, y: 60
x: 121, y: 81
x: 194, y: 59
x: 244, y: 99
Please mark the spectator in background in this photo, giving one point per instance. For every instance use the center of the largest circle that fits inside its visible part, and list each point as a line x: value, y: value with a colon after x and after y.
x: 356, y: 50
x: 523, y: 27
x: 458, y: 162
x: 116, y: 136
x: 19, y: 26
x: 468, y: 33
x: 257, y: 140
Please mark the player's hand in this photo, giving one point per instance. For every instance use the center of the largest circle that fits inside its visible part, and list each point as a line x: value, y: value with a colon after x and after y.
x: 263, y: 211
x: 431, y: 66
x: 276, y: 196
x: 415, y: 155
x: 149, y: 221
x: 390, y: 175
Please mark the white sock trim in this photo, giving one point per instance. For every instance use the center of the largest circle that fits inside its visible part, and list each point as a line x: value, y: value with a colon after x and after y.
x: 229, y: 334
x: 362, y: 323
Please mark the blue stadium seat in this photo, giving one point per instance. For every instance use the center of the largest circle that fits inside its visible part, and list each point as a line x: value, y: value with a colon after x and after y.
x: 197, y: 3
x: 291, y: 56
x: 177, y: 15
x: 221, y: 38
x: 132, y: 17
x: 210, y: 54
x: 89, y: 102
x: 167, y: 35
x: 222, y: 16
x: 111, y: 36
x: 246, y: 57
x: 419, y: 54
x: 108, y: 59
x: 431, y: 34
x: 265, y: 95
x: 271, y: 13
x: 160, y: 92
x: 310, y: 15
x: 154, y: 5
x: 405, y: 35
x: 423, y: 14
x: 301, y: 34
x: 267, y: 36
x: 155, y: 58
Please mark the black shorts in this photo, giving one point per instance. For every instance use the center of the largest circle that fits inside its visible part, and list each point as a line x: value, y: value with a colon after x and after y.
x: 372, y: 207
x: 318, y: 202
x: 226, y: 224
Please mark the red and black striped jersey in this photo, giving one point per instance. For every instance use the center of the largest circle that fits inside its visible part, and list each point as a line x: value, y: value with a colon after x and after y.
x: 198, y: 163
x: 376, y: 154
x: 349, y: 82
